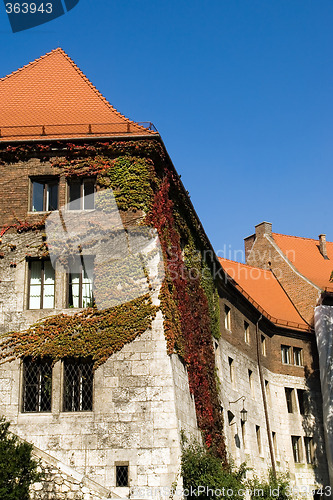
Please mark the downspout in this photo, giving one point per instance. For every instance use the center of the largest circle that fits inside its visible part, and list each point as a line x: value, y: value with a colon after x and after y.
x: 264, y: 397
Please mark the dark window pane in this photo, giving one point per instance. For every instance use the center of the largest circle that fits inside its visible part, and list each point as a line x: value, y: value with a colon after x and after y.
x: 78, y: 385
x: 89, y: 189
x: 37, y: 385
x: 300, y: 394
x: 52, y: 197
x: 37, y: 196
x: 75, y: 195
x: 289, y: 399
x: 122, y: 475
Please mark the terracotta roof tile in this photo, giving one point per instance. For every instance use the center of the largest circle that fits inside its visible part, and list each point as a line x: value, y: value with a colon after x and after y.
x: 53, y: 92
x: 264, y: 291
x: 305, y: 255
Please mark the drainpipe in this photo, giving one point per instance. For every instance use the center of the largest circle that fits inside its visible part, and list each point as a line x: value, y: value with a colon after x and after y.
x: 264, y: 397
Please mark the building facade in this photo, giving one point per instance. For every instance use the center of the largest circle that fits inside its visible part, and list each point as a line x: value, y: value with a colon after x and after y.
x: 114, y: 324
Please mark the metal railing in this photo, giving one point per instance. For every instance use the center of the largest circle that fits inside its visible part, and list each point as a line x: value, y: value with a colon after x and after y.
x: 72, y: 129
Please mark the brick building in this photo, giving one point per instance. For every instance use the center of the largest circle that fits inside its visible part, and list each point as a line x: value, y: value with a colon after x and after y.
x: 103, y: 395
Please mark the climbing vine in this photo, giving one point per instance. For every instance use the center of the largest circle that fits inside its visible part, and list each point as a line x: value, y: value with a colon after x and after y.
x: 91, y: 332
x: 137, y: 173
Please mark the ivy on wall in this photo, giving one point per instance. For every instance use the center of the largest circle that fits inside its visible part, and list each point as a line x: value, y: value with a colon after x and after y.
x: 88, y: 333
x: 138, y: 174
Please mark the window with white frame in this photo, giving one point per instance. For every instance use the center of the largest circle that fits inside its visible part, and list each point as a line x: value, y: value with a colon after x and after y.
x: 44, y: 194
x: 80, y: 283
x: 81, y: 194
x: 285, y: 354
x: 41, y: 284
x: 298, y: 356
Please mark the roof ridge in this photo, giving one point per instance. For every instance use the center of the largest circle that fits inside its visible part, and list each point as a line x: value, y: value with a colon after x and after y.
x: 82, y: 75
x: 299, y: 237
x: 245, y: 265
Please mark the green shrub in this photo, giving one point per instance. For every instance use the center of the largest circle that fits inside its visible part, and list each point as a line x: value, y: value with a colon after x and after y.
x: 276, y: 488
x: 205, y: 476
x: 17, y: 469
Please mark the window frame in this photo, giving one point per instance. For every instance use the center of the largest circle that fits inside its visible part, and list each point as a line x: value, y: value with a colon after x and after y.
x: 69, y: 282
x: 309, y: 450
x: 290, y: 392
x: 118, y: 465
x: 296, y: 445
x: 65, y: 406
x: 40, y: 388
x: 231, y: 364
x: 227, y: 318
x: 81, y: 182
x: 42, y: 284
x: 246, y: 332
x: 263, y: 345
x: 258, y: 436
x: 301, y: 398
x: 298, y: 350
x: 285, y: 349
x: 46, y: 181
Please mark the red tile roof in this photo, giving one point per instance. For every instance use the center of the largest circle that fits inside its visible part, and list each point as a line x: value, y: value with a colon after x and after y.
x: 305, y: 255
x: 263, y: 290
x: 53, y: 92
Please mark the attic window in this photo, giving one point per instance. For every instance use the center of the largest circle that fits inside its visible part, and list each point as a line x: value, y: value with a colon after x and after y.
x: 82, y: 194
x: 44, y: 194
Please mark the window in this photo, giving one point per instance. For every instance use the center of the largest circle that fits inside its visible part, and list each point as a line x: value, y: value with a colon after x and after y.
x: 251, y: 381
x: 246, y: 332
x: 81, y: 194
x: 274, y: 444
x: 231, y: 370
x: 285, y: 353
x: 298, y: 361
x: 301, y: 401
x: 267, y: 390
x: 122, y: 475
x: 297, y: 450
x: 309, y: 450
x: 263, y: 345
x: 227, y: 318
x: 41, y: 284
x: 37, y: 385
x: 258, y: 438
x: 80, y: 283
x: 78, y: 385
x: 44, y: 195
x: 290, y: 399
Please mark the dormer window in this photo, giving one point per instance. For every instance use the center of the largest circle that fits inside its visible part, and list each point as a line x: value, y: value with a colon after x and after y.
x: 44, y: 194
x: 82, y: 194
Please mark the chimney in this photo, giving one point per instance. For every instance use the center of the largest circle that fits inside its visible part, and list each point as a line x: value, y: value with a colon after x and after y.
x: 263, y: 228
x: 322, y: 245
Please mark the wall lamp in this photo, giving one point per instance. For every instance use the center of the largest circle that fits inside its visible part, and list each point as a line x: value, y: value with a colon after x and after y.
x: 243, y: 412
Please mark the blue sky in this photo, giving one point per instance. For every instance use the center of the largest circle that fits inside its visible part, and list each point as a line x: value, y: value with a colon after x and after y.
x: 240, y: 91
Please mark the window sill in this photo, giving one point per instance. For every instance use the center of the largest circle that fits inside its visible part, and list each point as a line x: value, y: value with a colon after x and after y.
x: 88, y: 413
x: 42, y: 212
x: 29, y: 413
x: 79, y: 210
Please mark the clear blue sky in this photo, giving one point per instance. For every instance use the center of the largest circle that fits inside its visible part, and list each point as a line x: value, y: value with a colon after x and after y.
x: 241, y: 92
